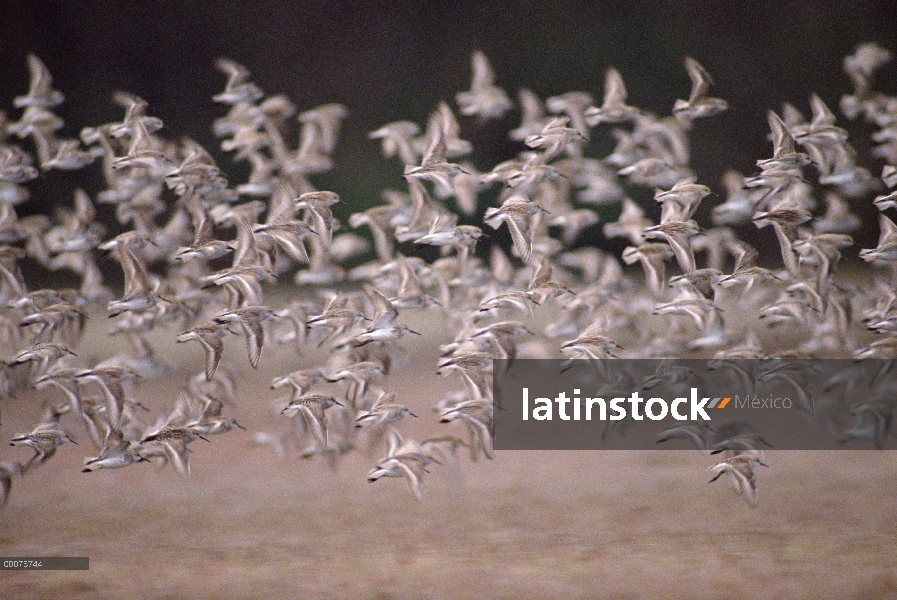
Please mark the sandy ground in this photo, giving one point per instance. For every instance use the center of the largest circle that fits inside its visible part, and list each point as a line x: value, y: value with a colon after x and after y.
x: 526, y: 525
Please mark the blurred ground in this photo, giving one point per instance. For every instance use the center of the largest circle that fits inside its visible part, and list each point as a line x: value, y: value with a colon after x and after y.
x: 526, y: 525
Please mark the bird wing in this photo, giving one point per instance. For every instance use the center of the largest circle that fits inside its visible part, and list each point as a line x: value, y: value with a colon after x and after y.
x: 614, y: 89
x: 214, y: 347
x: 483, y: 75
x: 322, y: 221
x: 436, y: 147
x: 176, y: 453
x: 521, y: 235
x: 701, y: 83
x: 414, y: 472
x: 246, y: 252
x: 313, y: 414
x: 255, y: 337
x: 384, y: 311
x: 783, y: 142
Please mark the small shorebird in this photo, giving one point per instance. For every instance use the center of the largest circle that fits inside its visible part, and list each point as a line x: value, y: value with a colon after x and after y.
x: 484, y: 98
x: 214, y: 425
x: 65, y: 380
x: 532, y: 118
x: 517, y: 212
x: 872, y: 422
x: 652, y: 258
x: 886, y: 250
x: 574, y: 104
x: 676, y: 234
x: 592, y: 343
x: 327, y: 119
x: 209, y: 335
x: 668, y: 374
x: 40, y: 91
x: 746, y: 271
x: 116, y: 453
x: 514, y: 300
x: 502, y: 336
x: 472, y: 367
x: 15, y: 167
x: 573, y: 223
x: 632, y: 223
x: 170, y: 442
x: 691, y: 304
x: 445, y: 231
x: 398, y: 138
x: 443, y: 446
x: 242, y: 283
x: 614, y: 108
x: 379, y: 219
x: 44, y: 440
x: 699, y: 104
x: 476, y: 415
x: 204, y: 243
x: 337, y: 315
x: 140, y: 288
x: 70, y: 157
x: 317, y: 210
x: 384, y: 327
x: 250, y: 319
x: 554, y: 138
x: 741, y: 468
x: 542, y: 287
x: 403, y: 459
x: 655, y: 171
x: 42, y: 353
x: 740, y: 203
x: 434, y: 165
x: 63, y: 315
x: 384, y: 411
x: 239, y: 88
x: 696, y: 434
x: 360, y: 374
x: 784, y: 155
x: 312, y: 406
x: 410, y: 293
x: 444, y: 119
x: 300, y: 381
x: 135, y: 110
x: 143, y: 152
x: 682, y: 200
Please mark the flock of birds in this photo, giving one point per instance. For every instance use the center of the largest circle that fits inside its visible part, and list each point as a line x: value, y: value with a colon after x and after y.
x: 199, y: 254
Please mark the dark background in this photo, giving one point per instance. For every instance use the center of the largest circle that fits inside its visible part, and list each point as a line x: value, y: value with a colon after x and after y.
x: 391, y: 61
